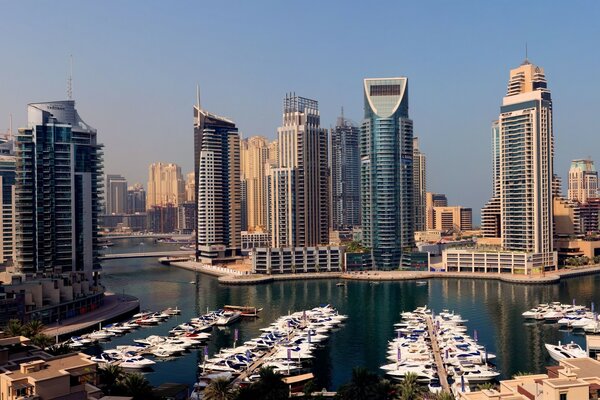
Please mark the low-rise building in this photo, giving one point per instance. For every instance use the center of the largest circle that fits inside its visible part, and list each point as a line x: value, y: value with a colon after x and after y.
x: 572, y: 379
x: 71, y: 376
x: 497, y: 261
x: 252, y: 240
x: 293, y: 260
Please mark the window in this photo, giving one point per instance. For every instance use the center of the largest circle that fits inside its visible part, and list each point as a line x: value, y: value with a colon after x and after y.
x: 563, y: 396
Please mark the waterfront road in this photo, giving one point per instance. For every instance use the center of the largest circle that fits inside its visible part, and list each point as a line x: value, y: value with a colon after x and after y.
x: 115, y: 306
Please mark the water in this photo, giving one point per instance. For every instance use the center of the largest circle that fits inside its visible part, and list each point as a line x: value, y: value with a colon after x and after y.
x: 493, y: 309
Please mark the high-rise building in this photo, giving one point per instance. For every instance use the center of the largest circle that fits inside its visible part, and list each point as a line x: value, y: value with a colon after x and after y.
x: 58, y: 191
x: 433, y: 200
x: 218, y: 199
x: 254, y: 155
x: 273, y: 157
x: 303, y: 162
x: 419, y: 187
x: 190, y: 187
x: 186, y: 217
x: 583, y: 181
x: 453, y: 218
x: 7, y: 207
x: 162, y: 219
x: 136, y: 199
x: 115, y: 194
x: 165, y: 185
x: 345, y: 175
x: 387, y: 172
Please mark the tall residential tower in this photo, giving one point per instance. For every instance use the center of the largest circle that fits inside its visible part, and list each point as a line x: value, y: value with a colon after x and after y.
x: 419, y: 187
x: 387, y: 201
x: 116, y: 194
x: 583, y: 181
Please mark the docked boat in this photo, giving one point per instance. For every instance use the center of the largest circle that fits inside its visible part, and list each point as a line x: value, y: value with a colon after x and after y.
x: 228, y: 318
x: 136, y: 362
x: 563, y: 351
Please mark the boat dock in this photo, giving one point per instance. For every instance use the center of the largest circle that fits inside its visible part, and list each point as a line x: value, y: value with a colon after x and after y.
x: 254, y: 366
x: 437, y: 356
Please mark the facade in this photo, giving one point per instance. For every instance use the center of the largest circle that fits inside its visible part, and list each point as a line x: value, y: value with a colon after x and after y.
x: 295, y: 260
x: 345, y: 175
x: 186, y: 217
x: 70, y: 376
x: 583, y: 181
x: 162, y: 219
x: 57, y: 200
x: 299, y: 203
x: 252, y: 240
x: 433, y: 200
x: 218, y: 198
x: 454, y: 218
x: 509, y: 262
x: 589, y: 216
x: 165, y: 185
x: 419, y: 186
x: 116, y: 194
x: 190, y: 187
x: 254, y: 154
x: 387, y: 201
x: 7, y: 208
x: 136, y: 199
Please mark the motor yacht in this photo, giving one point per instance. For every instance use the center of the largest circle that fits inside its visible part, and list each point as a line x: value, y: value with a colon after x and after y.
x: 562, y: 351
x: 136, y: 362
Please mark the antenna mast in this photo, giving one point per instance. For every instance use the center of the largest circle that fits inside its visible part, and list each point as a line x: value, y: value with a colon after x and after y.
x: 70, y: 80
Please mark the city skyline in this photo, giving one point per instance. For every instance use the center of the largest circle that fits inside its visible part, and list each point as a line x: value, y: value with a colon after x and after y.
x: 141, y: 80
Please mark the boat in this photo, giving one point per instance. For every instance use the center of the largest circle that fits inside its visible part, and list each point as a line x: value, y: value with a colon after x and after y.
x: 340, y: 284
x: 563, y: 351
x: 172, y: 311
x: 228, y: 318
x: 421, y: 283
x: 136, y: 362
x: 247, y: 311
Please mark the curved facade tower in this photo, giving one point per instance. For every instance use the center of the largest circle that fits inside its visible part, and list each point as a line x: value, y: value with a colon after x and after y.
x: 387, y: 172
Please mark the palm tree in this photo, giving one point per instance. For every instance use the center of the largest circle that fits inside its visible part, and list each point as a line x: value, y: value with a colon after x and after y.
x: 14, y: 328
x: 486, y: 386
x: 362, y: 386
x: 59, y: 349
x: 444, y: 396
x: 409, y: 388
x: 110, y: 375
x: 33, y: 328
x: 246, y: 393
x: 219, y: 389
x: 42, y: 340
x: 136, y: 386
x: 270, y: 386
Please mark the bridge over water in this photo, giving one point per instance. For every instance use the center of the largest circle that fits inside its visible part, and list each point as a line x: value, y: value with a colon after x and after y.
x: 147, y: 254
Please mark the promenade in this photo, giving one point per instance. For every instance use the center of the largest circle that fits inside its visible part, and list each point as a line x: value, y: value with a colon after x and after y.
x: 115, y: 306
x: 437, y: 356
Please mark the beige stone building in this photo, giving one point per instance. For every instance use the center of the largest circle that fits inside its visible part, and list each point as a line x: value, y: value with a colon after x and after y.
x: 572, y: 379
x: 455, y: 218
x: 583, y: 181
x: 190, y: 187
x: 165, y: 185
x: 254, y: 154
x: 433, y: 200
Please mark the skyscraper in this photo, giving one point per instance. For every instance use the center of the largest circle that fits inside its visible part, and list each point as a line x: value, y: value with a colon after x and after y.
x: 387, y: 172
x: 345, y: 174
x: 7, y: 205
x: 218, y: 199
x: 190, y: 187
x: 419, y: 186
x: 303, y: 161
x: 58, y: 172
x: 583, y: 181
x: 254, y: 155
x: 433, y: 200
x: 136, y: 199
x: 165, y: 185
x: 116, y: 194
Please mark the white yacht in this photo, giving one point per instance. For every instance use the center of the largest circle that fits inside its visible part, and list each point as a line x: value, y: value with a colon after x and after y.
x: 228, y: 317
x: 562, y: 351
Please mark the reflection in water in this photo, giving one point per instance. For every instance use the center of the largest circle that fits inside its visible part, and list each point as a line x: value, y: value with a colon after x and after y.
x: 492, y: 308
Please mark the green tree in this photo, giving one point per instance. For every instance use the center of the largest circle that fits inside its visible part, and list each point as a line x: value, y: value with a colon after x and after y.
x: 42, y: 340
x: 59, y: 349
x: 443, y: 396
x: 136, y: 386
x: 109, y: 376
x: 33, y: 328
x: 219, y: 389
x: 14, y: 328
x: 270, y: 385
x: 363, y: 385
x: 486, y: 386
x: 409, y: 388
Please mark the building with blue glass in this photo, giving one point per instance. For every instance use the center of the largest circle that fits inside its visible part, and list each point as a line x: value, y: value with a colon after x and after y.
x: 386, y: 150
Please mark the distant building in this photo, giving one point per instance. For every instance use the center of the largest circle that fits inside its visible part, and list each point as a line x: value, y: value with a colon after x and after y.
x: 162, y: 219
x: 419, y: 186
x: 136, y: 199
x: 433, y: 200
x: 454, y: 218
x: 583, y: 181
x: 252, y: 240
x: 254, y: 154
x: 296, y: 260
x: 116, y: 194
x: 186, y: 217
x: 190, y: 187
x: 345, y: 175
x: 218, y: 200
x: 165, y: 185
x: 387, y: 200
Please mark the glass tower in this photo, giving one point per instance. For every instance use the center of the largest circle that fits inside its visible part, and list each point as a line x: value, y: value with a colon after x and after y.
x: 387, y: 172
x: 57, y: 192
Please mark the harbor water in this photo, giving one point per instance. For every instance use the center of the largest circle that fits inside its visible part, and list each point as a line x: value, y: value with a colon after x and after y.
x: 492, y: 308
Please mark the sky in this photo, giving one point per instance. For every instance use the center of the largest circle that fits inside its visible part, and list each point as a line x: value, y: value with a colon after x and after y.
x: 136, y: 65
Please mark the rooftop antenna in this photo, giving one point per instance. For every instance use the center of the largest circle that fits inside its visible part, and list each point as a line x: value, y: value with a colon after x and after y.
x: 198, y: 95
x: 526, y: 53
x: 70, y: 79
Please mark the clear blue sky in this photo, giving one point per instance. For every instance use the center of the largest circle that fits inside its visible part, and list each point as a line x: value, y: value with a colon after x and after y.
x: 136, y: 65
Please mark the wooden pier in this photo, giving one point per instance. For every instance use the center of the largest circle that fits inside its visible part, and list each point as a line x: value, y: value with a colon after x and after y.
x: 437, y: 356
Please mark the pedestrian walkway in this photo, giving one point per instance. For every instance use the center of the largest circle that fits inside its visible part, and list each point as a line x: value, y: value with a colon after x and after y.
x: 437, y: 356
